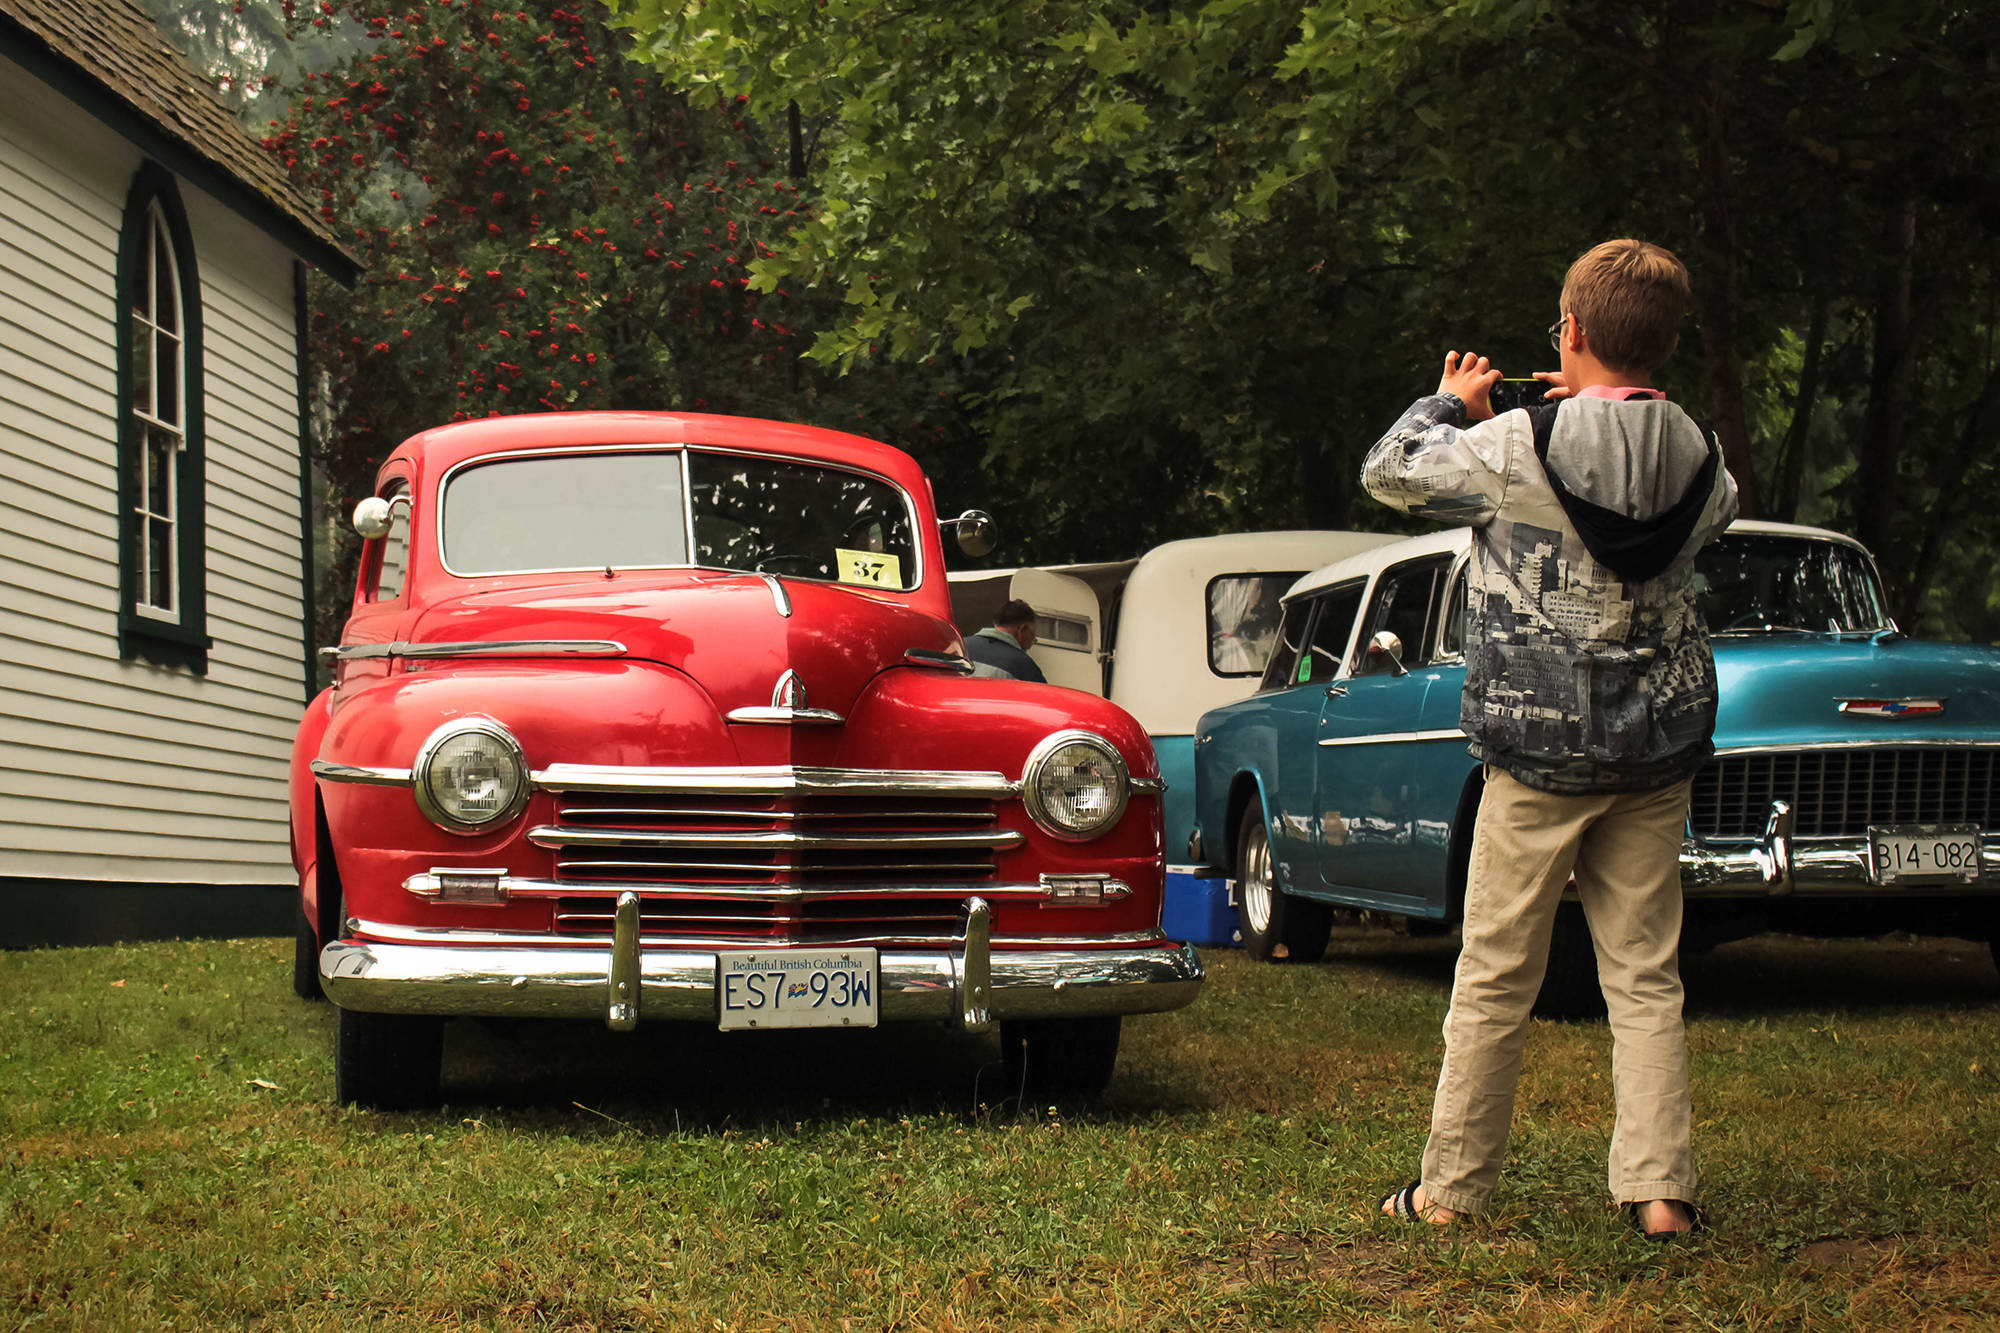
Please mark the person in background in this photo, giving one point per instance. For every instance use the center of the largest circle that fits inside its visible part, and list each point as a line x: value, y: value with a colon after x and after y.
x: 1004, y: 644
x: 1590, y: 698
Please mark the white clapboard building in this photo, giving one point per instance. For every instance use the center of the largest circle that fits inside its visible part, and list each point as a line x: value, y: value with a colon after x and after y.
x: 154, y: 578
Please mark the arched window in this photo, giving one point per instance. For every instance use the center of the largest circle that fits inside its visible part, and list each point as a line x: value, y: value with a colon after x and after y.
x: 162, y: 543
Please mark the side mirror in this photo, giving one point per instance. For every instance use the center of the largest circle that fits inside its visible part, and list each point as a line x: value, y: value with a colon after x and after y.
x: 1386, y: 644
x: 977, y: 532
x: 371, y: 518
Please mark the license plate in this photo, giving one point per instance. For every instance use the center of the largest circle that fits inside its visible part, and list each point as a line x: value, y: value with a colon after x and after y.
x: 1924, y: 854
x: 797, y: 988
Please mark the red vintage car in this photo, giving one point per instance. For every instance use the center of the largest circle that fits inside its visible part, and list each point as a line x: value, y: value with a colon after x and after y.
x: 658, y: 716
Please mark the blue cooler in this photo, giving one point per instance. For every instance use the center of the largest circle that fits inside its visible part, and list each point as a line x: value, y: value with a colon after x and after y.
x: 1197, y: 910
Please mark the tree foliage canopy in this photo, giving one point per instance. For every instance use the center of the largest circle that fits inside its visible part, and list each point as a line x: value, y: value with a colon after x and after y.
x: 1199, y: 254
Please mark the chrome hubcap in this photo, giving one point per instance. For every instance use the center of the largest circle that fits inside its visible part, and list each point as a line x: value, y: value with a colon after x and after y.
x: 1253, y: 890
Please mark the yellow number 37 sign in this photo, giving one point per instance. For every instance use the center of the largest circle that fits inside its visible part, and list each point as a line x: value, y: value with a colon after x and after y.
x: 876, y: 569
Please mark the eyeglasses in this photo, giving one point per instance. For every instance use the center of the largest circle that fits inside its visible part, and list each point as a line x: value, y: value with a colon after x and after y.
x: 1556, y: 333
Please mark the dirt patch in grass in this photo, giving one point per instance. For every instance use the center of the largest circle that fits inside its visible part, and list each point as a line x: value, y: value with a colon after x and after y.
x: 1848, y: 1252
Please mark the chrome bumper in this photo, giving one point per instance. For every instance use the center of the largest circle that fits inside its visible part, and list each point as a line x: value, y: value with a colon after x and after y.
x: 1777, y: 865
x: 969, y: 987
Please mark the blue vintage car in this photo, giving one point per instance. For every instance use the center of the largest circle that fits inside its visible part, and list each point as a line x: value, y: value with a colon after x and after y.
x: 1855, y: 787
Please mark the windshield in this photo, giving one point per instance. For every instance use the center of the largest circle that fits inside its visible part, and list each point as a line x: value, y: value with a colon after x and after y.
x: 1751, y: 584
x: 660, y: 508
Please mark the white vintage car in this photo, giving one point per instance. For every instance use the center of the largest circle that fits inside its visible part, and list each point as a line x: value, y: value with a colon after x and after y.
x: 1184, y: 628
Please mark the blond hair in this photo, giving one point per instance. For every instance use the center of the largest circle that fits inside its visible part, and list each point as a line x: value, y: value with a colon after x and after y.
x: 1629, y: 296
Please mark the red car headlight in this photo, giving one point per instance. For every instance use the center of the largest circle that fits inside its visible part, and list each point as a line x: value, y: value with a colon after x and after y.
x: 1075, y: 785
x: 470, y: 775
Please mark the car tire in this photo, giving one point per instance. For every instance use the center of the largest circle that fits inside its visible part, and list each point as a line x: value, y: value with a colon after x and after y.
x: 1266, y: 915
x: 387, y: 1062
x: 305, y: 962
x: 1059, y: 1059
x: 1569, y: 989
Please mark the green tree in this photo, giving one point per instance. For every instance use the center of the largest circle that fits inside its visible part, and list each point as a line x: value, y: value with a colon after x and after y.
x: 1201, y: 253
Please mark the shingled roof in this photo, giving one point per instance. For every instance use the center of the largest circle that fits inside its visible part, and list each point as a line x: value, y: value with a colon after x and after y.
x: 108, y: 56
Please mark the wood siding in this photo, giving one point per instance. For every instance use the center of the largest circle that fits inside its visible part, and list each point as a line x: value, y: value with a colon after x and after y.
x: 115, y: 770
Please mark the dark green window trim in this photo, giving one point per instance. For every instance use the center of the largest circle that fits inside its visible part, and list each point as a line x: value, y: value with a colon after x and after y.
x: 183, y: 641
x: 308, y: 596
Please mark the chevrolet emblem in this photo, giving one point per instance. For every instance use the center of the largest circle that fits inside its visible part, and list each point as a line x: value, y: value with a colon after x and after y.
x: 1891, y: 708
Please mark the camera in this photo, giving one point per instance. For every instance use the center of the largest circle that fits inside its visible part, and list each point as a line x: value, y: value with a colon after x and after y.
x: 1510, y: 394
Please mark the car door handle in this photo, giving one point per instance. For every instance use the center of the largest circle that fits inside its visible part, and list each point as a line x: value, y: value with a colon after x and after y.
x: 1336, y: 691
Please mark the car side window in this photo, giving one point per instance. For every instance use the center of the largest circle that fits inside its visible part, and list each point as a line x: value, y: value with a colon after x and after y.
x: 395, y: 559
x: 1452, y: 643
x: 1285, y: 648
x: 1404, y: 600
x: 1330, y: 632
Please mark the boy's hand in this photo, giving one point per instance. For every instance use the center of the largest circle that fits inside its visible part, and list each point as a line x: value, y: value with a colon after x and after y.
x: 1471, y: 378
x: 1558, y: 386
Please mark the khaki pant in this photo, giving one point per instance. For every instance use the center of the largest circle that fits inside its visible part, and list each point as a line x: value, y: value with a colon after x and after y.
x: 1625, y: 854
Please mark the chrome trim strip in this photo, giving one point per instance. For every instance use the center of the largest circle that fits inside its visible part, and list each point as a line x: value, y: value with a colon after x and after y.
x: 1149, y: 786
x: 788, y: 717
x: 928, y: 657
x: 679, y: 983
x: 583, y: 812
x: 1872, y: 743
x: 778, y: 594
x: 426, y: 885
x: 598, y: 865
x: 360, y: 775
x: 1397, y: 737
x: 516, y: 648
x: 780, y: 780
x: 547, y: 941
x: 556, y: 835
x: 479, y: 648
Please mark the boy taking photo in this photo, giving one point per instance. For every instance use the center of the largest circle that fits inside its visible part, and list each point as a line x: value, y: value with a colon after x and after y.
x: 1589, y: 698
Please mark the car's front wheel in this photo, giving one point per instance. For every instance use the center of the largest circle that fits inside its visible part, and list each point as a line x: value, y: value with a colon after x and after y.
x: 1266, y: 915
x: 305, y: 962
x: 387, y: 1062
x: 1054, y: 1059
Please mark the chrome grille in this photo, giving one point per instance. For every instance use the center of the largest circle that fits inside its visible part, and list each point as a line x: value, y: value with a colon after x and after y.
x: 798, y: 842
x: 1839, y: 793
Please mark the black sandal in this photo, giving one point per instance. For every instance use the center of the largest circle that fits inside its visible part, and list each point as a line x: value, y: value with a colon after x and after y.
x: 1402, y: 1205
x: 1697, y: 1220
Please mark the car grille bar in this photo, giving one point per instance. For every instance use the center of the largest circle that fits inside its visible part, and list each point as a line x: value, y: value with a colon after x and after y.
x: 784, y: 781
x: 1840, y: 793
x: 803, y: 921
x: 568, y: 836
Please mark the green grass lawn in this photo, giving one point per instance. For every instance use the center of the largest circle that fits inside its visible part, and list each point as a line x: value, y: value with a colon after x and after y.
x: 170, y: 1157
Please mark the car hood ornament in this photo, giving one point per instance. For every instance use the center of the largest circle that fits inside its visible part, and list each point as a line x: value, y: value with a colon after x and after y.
x: 788, y: 707
x: 790, y: 692
x: 1892, y: 708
